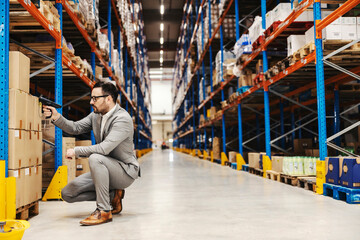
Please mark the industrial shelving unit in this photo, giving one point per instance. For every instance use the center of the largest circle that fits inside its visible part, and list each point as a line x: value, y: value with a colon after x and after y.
x: 191, y: 135
x: 138, y: 110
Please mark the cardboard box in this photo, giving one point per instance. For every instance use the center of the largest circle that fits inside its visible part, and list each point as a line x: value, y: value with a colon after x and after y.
x: 294, y: 43
x: 18, y: 158
x: 216, y: 148
x: 277, y: 163
x: 281, y: 11
x: 68, y: 143
x: 34, y: 113
x: 48, y: 129
x: 232, y: 157
x: 19, y: 174
x: 269, y: 19
x: 34, y: 148
x: 83, y: 143
x: 212, y: 112
x: 19, y: 71
x: 98, y: 72
x: 254, y: 159
x: 36, y: 183
x: 348, y: 21
x: 331, y: 32
x: 312, y: 152
x: 17, y: 113
x: 300, y: 145
x: 348, y: 32
x: 82, y: 166
x: 332, y: 169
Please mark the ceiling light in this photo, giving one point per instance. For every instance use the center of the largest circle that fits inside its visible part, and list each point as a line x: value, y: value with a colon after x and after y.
x: 161, y: 52
x: 161, y: 27
x: 161, y: 60
x: 162, y: 9
x: 161, y: 40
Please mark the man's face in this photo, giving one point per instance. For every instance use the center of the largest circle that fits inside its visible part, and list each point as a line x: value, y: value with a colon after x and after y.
x: 99, y: 104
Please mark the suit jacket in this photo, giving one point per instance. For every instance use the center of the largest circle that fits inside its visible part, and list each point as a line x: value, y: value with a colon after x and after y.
x: 117, y: 139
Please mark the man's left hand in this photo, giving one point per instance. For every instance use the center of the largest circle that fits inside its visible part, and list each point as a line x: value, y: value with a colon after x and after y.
x: 70, y: 153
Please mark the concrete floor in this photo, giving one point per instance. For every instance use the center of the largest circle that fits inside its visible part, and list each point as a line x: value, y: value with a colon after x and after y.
x: 181, y: 197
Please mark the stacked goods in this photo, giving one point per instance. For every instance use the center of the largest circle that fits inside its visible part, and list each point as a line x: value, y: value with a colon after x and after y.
x: 254, y: 159
x: 216, y: 148
x: 229, y: 62
x: 82, y: 164
x: 246, y: 78
x: 255, y: 31
x: 299, y: 165
x: 344, y: 171
x: 242, y: 46
x: 50, y: 12
x: 25, y: 136
x: 232, y: 157
x: 294, y: 43
x: 277, y: 163
x: 88, y: 13
x: 104, y: 44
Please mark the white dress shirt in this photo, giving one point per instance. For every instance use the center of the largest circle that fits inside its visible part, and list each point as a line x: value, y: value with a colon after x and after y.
x: 104, y: 119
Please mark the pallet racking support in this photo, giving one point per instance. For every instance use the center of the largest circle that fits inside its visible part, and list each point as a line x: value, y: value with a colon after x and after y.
x: 337, y: 114
x: 4, y: 83
x: 222, y: 91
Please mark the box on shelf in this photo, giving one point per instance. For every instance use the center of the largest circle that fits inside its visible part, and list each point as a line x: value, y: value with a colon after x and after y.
x: 254, y: 159
x: 19, y: 175
x: 350, y: 172
x: 331, y: 32
x: 232, y: 157
x: 83, y: 143
x: 281, y: 11
x: 67, y: 143
x: 300, y: 145
x: 348, y: 32
x: 18, y: 141
x: 259, y: 67
x: 82, y: 166
x: 216, y: 148
x: 18, y: 118
x: 333, y: 169
x: 33, y: 187
x: 19, y: 71
x: 34, y: 148
x: 312, y: 152
x: 277, y: 163
x: 294, y: 43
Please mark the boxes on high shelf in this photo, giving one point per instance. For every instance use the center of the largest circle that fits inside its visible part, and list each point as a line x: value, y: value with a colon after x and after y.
x: 348, y: 28
x: 69, y: 143
x: 18, y: 118
x: 331, y: 32
x: 269, y: 19
x: 259, y: 67
x: 212, y: 112
x: 98, y: 72
x: 358, y: 27
x: 19, y: 71
x: 294, y: 43
x: 281, y: 11
x: 254, y: 159
x: 216, y: 148
x: 277, y: 163
x: 300, y: 145
x: 19, y: 175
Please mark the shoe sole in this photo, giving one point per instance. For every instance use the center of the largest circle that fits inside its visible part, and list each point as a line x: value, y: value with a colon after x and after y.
x: 92, y: 224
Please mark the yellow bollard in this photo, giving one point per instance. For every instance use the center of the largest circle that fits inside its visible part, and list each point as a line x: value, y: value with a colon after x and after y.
x: 2, y: 190
x: 266, y: 164
x: 320, y: 176
x: 223, y: 159
x: 205, y: 155
x: 212, y: 156
x: 10, y: 198
x: 239, y: 161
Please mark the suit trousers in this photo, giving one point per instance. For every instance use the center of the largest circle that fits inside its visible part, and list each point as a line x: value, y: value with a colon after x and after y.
x: 106, y: 174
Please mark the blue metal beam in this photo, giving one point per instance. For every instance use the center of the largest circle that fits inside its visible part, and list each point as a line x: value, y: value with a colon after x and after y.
x: 91, y: 108
x: 58, y: 93
x: 222, y: 91
x: 320, y: 87
x: 4, y: 82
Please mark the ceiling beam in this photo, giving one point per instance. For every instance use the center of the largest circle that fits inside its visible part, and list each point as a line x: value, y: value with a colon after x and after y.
x: 156, y: 64
x: 153, y: 15
x: 167, y: 46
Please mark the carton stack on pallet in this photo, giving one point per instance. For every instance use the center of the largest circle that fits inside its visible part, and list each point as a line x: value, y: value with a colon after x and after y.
x: 25, y: 136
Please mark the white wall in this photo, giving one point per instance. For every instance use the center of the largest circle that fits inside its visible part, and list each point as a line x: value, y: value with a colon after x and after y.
x: 161, y: 131
x: 161, y: 97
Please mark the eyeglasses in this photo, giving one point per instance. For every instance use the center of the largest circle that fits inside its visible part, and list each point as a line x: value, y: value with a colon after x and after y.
x: 95, y: 98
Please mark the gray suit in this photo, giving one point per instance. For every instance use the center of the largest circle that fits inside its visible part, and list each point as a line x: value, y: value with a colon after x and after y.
x: 112, y: 161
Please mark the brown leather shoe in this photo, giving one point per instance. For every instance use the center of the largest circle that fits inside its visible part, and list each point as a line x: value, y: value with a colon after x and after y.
x: 116, y: 203
x: 97, y: 217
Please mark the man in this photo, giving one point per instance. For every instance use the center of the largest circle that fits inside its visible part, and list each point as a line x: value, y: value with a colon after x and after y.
x: 113, y: 165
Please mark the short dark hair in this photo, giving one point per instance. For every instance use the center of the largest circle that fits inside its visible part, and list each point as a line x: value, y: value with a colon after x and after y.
x: 108, y: 89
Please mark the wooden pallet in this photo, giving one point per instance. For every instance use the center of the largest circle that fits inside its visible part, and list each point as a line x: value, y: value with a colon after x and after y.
x: 308, y: 183
x: 245, y: 167
x: 348, y: 195
x: 270, y: 174
x: 288, y: 179
x: 256, y: 171
x: 27, y: 211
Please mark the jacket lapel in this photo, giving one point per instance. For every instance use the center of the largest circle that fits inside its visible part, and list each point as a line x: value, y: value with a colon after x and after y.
x: 98, y: 127
x: 110, y: 120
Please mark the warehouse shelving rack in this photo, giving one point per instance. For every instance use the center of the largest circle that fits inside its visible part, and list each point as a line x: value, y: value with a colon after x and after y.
x: 182, y: 121
x: 142, y: 139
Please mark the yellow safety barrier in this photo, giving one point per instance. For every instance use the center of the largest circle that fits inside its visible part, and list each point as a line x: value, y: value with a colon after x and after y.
x: 58, y: 182
x: 320, y: 176
x: 239, y: 161
x: 205, y: 155
x: 2, y: 190
x: 10, y: 198
x: 212, y: 156
x: 267, y: 165
x: 223, y: 159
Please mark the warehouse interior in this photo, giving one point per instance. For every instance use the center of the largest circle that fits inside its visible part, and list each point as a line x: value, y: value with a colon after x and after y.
x: 243, y: 118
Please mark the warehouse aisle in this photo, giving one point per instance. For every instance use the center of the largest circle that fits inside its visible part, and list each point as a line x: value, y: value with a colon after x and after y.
x: 181, y: 197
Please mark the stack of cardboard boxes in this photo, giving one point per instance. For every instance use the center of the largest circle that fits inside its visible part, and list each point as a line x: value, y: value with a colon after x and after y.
x: 25, y: 136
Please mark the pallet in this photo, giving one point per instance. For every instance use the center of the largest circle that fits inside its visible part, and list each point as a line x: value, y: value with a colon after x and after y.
x: 245, y: 167
x: 227, y: 163
x: 259, y: 78
x: 270, y: 174
x: 272, y: 28
x: 28, y: 211
x: 288, y: 179
x: 258, y: 42
x: 349, y: 195
x: 308, y: 183
x: 256, y: 171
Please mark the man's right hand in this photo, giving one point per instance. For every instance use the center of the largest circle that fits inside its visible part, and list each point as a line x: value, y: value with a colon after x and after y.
x: 51, y: 111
